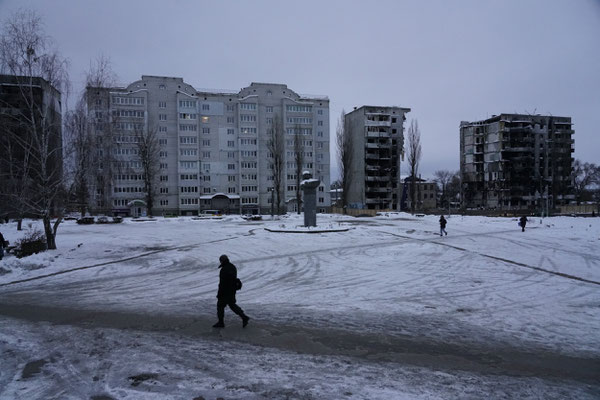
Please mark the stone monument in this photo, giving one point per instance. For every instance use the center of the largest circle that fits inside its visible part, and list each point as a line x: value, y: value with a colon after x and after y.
x: 309, y: 187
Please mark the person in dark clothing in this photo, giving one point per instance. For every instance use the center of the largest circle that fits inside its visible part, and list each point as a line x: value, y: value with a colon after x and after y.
x: 226, y: 293
x: 443, y: 226
x: 523, y: 222
x: 1, y: 246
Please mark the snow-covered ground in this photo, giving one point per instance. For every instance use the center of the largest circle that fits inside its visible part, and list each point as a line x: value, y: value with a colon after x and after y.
x: 387, y: 309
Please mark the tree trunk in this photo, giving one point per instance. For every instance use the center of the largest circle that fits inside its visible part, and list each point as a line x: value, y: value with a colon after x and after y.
x: 50, y: 240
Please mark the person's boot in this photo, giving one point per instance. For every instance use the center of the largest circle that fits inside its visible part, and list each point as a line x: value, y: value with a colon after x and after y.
x: 245, y: 320
x: 219, y: 324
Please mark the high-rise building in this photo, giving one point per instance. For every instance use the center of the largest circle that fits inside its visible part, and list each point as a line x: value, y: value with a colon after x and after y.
x: 516, y: 161
x: 213, y: 145
x: 377, y: 144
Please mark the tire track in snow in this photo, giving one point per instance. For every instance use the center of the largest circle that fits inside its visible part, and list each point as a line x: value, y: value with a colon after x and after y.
x: 505, y: 260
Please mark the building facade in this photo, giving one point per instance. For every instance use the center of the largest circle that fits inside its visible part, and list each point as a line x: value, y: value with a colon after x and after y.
x: 516, y: 161
x: 31, y: 146
x: 425, y: 197
x: 377, y: 147
x: 213, y: 145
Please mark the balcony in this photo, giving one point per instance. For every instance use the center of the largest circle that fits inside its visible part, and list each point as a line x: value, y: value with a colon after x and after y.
x: 377, y: 134
x: 378, y: 123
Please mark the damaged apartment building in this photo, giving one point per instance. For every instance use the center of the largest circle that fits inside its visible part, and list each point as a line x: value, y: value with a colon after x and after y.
x: 378, y: 138
x: 516, y: 162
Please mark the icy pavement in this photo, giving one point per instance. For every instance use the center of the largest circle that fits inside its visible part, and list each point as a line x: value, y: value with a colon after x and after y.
x: 387, y: 309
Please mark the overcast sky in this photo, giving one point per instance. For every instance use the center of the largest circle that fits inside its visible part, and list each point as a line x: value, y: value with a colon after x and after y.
x: 446, y: 60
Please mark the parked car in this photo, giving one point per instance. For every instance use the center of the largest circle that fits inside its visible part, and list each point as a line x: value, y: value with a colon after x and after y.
x: 252, y: 217
x: 71, y: 216
x: 102, y: 220
x: 85, y: 220
x: 117, y: 220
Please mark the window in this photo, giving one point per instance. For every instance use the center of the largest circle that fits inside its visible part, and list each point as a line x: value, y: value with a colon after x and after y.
x: 188, y: 140
x: 162, y: 87
x: 188, y: 177
x: 269, y: 109
x: 187, y: 103
x: 248, y: 153
x: 269, y: 121
x: 205, y: 120
x: 230, y: 143
x: 206, y: 154
x: 231, y: 178
x: 249, y: 164
x: 230, y: 120
x: 248, y: 141
x: 205, y: 107
x: 188, y: 189
x: 321, y: 199
x: 188, y: 164
x: 231, y: 154
x: 231, y: 190
x: 229, y: 131
x: 164, y: 178
x: 248, y: 130
x: 230, y: 107
x: 187, y: 116
x: 320, y: 133
x: 249, y: 200
x: 299, y: 120
x: 162, y: 154
x: 162, y: 142
x: 250, y: 188
x: 188, y: 127
x: 247, y: 106
x: 296, y: 108
x: 320, y: 145
x: 189, y: 202
x: 320, y: 112
x: 162, y: 104
x: 164, y: 190
x: 124, y: 114
x: 162, y: 129
x: 247, y: 118
x: 98, y: 102
x: 320, y: 123
x: 164, y: 202
x: 206, y: 142
x: 393, y: 120
x: 164, y: 166
x: 162, y: 117
x: 188, y: 152
x: 206, y: 190
x: 230, y: 167
x: 299, y: 131
x: 206, y: 178
x: 138, y: 101
x: 206, y: 131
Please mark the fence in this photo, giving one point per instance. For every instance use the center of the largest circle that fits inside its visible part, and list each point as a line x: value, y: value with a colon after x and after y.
x: 579, y: 209
x: 357, y: 211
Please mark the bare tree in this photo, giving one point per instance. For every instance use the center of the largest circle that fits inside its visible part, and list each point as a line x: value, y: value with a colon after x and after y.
x: 148, y: 154
x: 584, y: 174
x: 79, y: 165
x: 345, y: 149
x: 299, y: 160
x: 276, y: 146
x: 37, y: 70
x: 443, y: 177
x: 99, y: 77
x: 414, y: 157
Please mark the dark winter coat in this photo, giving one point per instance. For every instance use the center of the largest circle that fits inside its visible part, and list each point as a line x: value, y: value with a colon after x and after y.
x: 227, y: 281
x: 442, y: 222
x: 523, y: 220
x: 1, y: 241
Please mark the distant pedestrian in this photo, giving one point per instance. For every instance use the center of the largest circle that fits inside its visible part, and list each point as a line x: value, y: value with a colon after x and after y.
x: 228, y: 284
x: 1, y: 246
x: 443, y: 226
x: 522, y: 223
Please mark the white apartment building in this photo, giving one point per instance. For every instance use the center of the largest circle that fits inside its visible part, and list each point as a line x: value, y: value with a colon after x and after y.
x: 213, y: 145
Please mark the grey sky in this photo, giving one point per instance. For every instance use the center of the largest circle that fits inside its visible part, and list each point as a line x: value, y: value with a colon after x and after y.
x: 447, y: 61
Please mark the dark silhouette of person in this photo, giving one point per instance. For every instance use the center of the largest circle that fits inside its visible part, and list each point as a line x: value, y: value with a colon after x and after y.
x: 523, y: 222
x: 1, y: 246
x: 226, y: 293
x: 443, y: 226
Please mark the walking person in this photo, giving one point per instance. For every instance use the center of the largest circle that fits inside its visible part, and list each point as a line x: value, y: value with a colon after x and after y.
x: 228, y: 284
x: 1, y: 246
x: 523, y: 222
x: 443, y: 226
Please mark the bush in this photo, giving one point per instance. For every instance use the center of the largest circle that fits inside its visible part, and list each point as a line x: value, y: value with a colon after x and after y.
x: 33, y: 242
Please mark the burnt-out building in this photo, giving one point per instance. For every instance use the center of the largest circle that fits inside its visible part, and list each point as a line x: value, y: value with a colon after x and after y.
x: 516, y: 162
